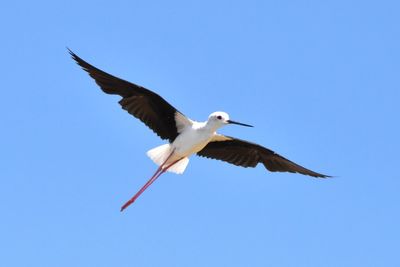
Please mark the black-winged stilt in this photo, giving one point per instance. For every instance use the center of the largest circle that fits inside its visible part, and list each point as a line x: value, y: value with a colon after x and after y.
x: 186, y: 137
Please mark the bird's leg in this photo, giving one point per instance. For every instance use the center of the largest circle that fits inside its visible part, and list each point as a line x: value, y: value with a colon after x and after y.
x: 157, y: 174
x: 150, y: 181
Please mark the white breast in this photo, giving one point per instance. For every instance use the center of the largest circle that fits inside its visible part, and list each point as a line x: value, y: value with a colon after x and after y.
x: 192, y: 140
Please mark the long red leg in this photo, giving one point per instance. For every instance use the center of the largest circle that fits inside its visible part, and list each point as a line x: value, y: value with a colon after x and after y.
x: 157, y: 174
x: 149, y: 182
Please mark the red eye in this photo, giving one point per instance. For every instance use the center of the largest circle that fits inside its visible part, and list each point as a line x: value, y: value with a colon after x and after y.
x: 219, y: 117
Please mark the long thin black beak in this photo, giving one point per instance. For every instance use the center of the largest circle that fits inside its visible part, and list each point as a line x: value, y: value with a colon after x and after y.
x: 239, y: 123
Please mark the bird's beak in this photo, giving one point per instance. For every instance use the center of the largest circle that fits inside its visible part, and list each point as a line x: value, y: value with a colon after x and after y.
x: 238, y: 123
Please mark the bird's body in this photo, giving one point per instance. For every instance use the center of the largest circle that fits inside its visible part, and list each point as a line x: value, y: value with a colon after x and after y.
x: 191, y: 141
x: 193, y: 137
x: 186, y: 137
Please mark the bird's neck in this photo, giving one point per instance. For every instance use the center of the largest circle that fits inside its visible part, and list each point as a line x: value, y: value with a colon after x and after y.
x: 210, y: 126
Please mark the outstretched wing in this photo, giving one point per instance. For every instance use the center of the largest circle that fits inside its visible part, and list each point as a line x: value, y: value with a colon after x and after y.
x: 246, y: 154
x: 140, y: 102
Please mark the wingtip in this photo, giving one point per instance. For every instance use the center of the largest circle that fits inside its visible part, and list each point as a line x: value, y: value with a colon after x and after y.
x: 70, y: 51
x: 323, y: 176
x: 72, y: 54
x: 84, y: 65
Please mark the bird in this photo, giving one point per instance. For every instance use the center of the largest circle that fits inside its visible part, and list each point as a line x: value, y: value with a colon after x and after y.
x: 186, y: 137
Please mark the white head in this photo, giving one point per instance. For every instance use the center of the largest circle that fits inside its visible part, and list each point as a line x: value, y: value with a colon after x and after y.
x: 219, y: 118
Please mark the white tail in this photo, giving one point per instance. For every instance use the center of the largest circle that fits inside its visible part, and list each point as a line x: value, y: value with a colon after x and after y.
x: 160, y: 154
x: 179, y: 167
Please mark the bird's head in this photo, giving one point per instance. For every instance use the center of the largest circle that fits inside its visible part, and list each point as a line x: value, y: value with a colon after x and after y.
x: 220, y: 118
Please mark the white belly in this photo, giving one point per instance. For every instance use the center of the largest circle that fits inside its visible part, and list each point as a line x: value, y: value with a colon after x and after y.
x: 191, y: 141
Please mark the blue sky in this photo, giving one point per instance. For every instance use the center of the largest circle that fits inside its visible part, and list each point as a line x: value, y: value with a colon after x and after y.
x: 318, y: 79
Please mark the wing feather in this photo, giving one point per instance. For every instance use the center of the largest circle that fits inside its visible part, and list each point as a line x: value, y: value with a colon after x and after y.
x: 246, y: 154
x: 140, y: 102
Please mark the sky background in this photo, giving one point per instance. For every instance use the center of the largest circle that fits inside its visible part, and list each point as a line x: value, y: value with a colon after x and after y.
x: 318, y: 79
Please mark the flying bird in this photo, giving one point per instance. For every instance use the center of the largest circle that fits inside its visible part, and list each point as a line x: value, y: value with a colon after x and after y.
x: 185, y: 136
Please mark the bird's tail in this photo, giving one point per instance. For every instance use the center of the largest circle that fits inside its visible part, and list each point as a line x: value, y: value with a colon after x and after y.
x: 161, y: 153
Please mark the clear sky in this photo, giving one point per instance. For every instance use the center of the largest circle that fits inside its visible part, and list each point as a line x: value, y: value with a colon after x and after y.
x: 318, y: 79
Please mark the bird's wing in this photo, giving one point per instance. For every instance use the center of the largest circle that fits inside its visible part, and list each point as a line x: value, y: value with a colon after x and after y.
x: 140, y: 102
x: 246, y: 154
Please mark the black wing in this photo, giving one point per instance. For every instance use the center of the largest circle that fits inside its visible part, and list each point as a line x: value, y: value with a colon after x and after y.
x: 140, y: 102
x: 246, y: 154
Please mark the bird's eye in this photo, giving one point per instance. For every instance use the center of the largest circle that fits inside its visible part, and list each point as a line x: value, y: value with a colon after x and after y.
x: 219, y: 117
